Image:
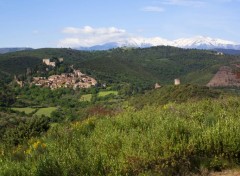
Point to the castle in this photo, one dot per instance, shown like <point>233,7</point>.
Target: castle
<point>49,63</point>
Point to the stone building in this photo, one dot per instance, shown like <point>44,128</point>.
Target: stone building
<point>157,86</point>
<point>48,62</point>
<point>176,82</point>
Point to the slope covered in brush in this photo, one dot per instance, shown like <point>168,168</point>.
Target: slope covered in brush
<point>136,66</point>
<point>175,94</point>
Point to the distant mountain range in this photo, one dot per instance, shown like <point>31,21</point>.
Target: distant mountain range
<point>8,50</point>
<point>198,42</point>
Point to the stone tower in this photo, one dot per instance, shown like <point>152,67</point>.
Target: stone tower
<point>176,82</point>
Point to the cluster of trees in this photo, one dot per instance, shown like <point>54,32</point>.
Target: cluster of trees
<point>17,127</point>
<point>7,95</point>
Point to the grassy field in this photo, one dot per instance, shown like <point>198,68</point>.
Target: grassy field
<point>26,110</point>
<point>105,93</point>
<point>45,111</point>
<point>86,97</point>
<point>41,111</point>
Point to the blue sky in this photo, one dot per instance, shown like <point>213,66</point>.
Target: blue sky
<point>63,23</point>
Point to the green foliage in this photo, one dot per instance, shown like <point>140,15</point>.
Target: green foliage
<point>37,96</point>
<point>174,130</point>
<point>49,167</point>
<point>26,110</point>
<point>10,120</point>
<point>140,67</point>
<point>173,139</point>
<point>146,66</point>
<point>45,111</point>
<point>105,93</point>
<point>180,93</point>
<point>86,97</point>
<point>15,64</point>
<point>25,130</point>
<point>7,96</point>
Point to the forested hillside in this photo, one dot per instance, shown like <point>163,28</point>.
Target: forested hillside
<point>137,66</point>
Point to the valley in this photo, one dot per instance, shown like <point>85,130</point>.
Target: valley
<point>100,112</point>
<point>120,88</point>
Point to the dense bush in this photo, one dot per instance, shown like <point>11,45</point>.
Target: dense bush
<point>173,139</point>
<point>179,94</point>
<point>8,119</point>
<point>25,130</point>
<point>7,96</point>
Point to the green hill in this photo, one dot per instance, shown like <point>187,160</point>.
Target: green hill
<point>137,66</point>
<point>174,94</point>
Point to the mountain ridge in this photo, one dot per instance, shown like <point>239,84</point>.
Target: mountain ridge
<point>13,49</point>
<point>198,42</point>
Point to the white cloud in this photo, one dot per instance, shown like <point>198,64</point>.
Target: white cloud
<point>91,30</point>
<point>153,9</point>
<point>88,36</point>
<point>194,3</point>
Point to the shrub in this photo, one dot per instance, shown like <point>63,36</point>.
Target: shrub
<point>47,167</point>
<point>25,130</point>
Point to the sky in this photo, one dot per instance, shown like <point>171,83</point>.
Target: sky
<point>72,23</point>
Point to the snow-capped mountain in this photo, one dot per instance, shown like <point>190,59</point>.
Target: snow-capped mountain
<point>201,42</point>
<point>198,42</point>
<point>131,42</point>
<point>144,42</point>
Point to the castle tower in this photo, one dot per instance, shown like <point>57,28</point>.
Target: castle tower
<point>176,82</point>
<point>46,61</point>
<point>157,86</point>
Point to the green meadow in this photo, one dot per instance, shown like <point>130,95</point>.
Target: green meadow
<point>26,110</point>
<point>105,93</point>
<point>45,111</point>
<point>86,97</point>
<point>41,111</point>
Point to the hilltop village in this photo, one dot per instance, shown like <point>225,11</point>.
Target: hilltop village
<point>68,80</point>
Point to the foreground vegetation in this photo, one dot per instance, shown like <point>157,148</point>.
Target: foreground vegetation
<point>191,136</point>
